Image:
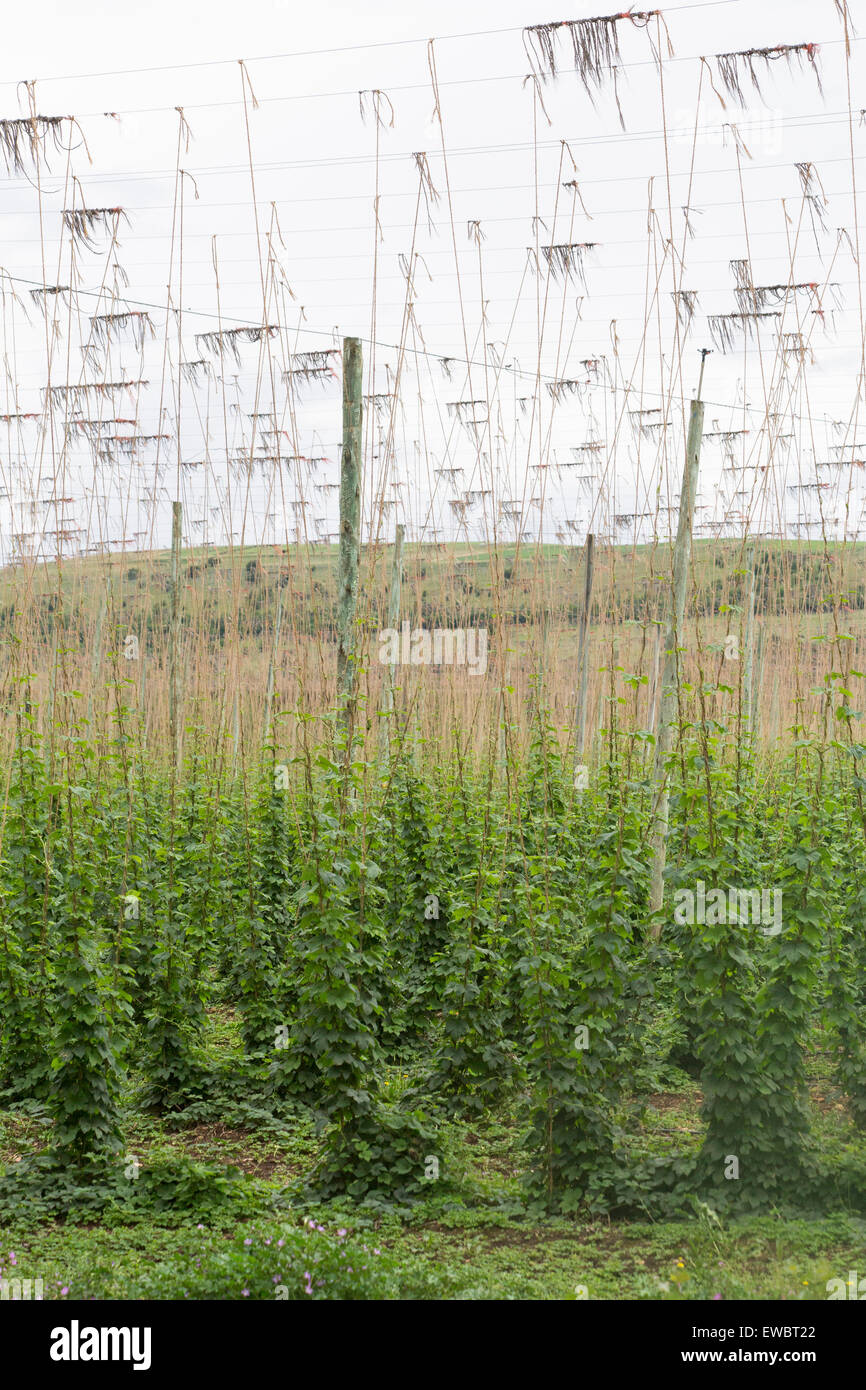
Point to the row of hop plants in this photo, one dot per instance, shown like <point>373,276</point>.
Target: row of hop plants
<point>485,927</point>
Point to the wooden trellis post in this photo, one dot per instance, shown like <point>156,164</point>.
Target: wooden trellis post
<point>350,527</point>
<point>669,696</point>
<point>654,683</point>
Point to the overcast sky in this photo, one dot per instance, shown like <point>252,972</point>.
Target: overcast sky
<point>532,164</point>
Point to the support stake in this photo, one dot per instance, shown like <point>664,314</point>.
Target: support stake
<point>669,692</point>
<point>350,530</point>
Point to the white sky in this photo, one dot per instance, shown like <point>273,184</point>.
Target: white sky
<point>314,162</point>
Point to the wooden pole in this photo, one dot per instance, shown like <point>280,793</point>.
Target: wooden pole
<point>350,528</point>
<point>654,686</point>
<point>174,632</point>
<point>387,704</point>
<point>669,693</point>
<point>583,654</point>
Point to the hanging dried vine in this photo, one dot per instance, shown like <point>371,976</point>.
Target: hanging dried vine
<point>761,297</point>
<point>688,214</point>
<point>429,192</point>
<point>751,64</point>
<point>466,411</point>
<point>83,223</point>
<point>317,365</point>
<point>216,341</point>
<point>685,303</point>
<point>382,404</point>
<point>26,136</point>
<point>195,373</point>
<point>813,195</point>
<point>137,321</point>
<point>75,395</point>
<point>558,390</point>
<point>567,261</point>
<point>725,327</point>
<point>43,292</point>
<point>594,45</point>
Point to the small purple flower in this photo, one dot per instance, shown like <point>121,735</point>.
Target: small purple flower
<point>247,1241</point>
